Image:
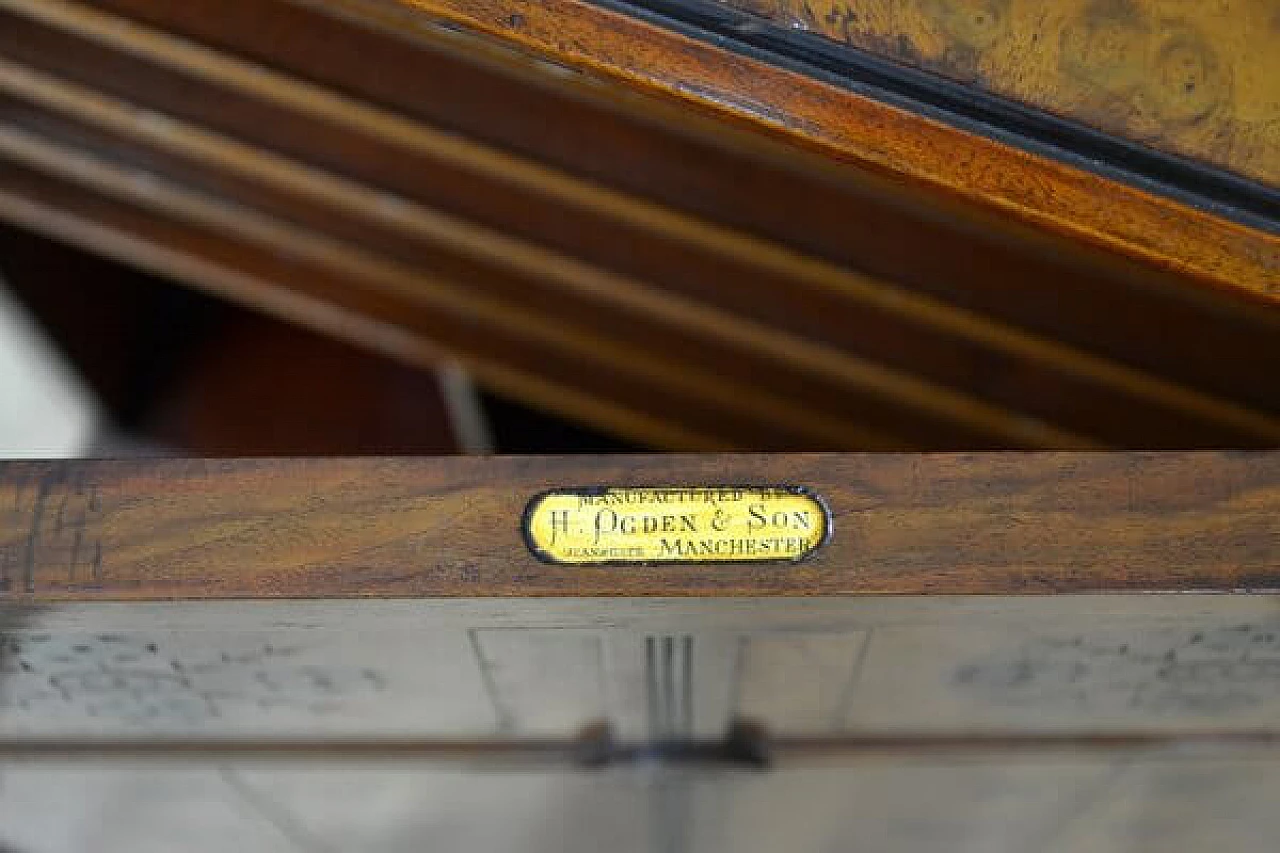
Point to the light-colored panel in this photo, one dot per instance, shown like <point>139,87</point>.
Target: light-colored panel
<point>914,806</point>
<point>436,668</point>
<point>411,809</point>
<point>121,809</point>
<point>1164,803</point>
<point>314,808</point>
<point>1088,674</point>
<point>270,681</point>
<point>798,683</point>
<point>543,682</point>
<point>627,685</point>
<point>1225,806</point>
<point>714,674</point>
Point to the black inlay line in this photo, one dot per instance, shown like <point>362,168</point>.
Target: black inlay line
<point>839,719</point>
<point>506,722</point>
<point>651,683</point>
<point>686,685</point>
<point>669,678</point>
<point>1188,181</point>
<point>668,686</point>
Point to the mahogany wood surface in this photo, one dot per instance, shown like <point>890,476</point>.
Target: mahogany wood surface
<point>603,217</point>
<point>903,524</point>
<point>1197,79</point>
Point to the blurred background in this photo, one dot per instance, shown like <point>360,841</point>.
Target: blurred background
<point>102,359</point>
<point>99,359</point>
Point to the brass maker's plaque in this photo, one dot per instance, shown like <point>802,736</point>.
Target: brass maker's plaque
<point>679,524</point>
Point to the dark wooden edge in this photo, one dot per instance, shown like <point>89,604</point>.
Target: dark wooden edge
<point>926,524</point>
<point>569,754</point>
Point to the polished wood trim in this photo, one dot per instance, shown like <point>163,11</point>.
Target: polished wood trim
<point>354,161</point>
<point>1056,196</point>
<point>599,201</point>
<point>903,524</point>
<point>1196,79</point>
<point>258,168</point>
<point>233,26</point>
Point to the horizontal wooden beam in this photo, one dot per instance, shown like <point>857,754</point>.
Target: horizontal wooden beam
<point>902,524</point>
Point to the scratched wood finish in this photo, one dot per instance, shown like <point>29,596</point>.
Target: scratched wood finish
<point>702,272</point>
<point>1192,78</point>
<point>931,524</point>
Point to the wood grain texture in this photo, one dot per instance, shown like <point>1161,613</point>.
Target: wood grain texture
<point>1197,79</point>
<point>665,264</point>
<point>1053,196</point>
<point>450,527</point>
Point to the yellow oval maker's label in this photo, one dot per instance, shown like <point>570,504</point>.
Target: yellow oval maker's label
<point>702,524</point>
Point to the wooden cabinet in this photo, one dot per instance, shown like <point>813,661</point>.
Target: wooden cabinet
<point>1060,652</point>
